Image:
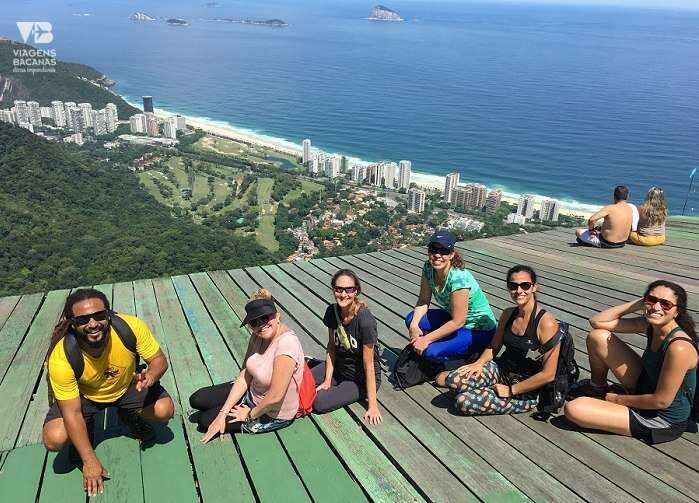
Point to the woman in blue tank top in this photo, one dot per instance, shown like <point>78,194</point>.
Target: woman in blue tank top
<point>661,384</point>
<point>510,382</point>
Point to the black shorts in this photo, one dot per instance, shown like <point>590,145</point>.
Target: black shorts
<point>654,429</point>
<point>130,400</point>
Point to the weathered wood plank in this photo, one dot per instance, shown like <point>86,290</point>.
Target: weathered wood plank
<point>21,473</point>
<point>7,305</point>
<point>15,328</point>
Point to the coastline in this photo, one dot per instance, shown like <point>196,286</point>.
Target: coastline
<point>426,180</point>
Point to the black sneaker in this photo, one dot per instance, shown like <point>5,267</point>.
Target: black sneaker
<point>140,429</point>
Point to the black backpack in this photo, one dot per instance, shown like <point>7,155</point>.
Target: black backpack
<point>412,369</point>
<point>553,395</point>
<point>74,354</point>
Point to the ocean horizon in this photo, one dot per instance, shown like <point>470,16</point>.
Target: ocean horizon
<point>561,102</point>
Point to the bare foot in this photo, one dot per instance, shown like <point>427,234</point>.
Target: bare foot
<point>441,379</point>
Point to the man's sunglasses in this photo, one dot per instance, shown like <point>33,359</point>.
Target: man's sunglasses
<point>345,289</point>
<point>85,318</point>
<point>652,300</point>
<point>524,285</point>
<point>261,321</point>
<point>438,250</point>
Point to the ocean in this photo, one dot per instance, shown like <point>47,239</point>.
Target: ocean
<point>560,101</point>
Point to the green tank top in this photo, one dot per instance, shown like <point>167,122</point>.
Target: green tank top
<point>678,411</point>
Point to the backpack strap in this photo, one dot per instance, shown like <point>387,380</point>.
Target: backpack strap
<point>123,330</point>
<point>533,326</point>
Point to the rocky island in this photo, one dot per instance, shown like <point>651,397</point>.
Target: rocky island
<point>383,13</point>
<point>275,23</point>
<point>141,16</point>
<point>173,21</point>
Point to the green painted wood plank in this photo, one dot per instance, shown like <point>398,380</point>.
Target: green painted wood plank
<point>271,471</point>
<point>15,328</point>
<point>319,469</point>
<point>36,412</point>
<point>218,466</point>
<point>124,298</point>
<point>108,290</point>
<point>7,305</point>
<point>63,481</point>
<point>26,367</point>
<point>21,472</point>
<point>371,468</point>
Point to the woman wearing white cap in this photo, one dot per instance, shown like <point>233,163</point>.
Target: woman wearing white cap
<point>465,324</point>
<point>263,397</point>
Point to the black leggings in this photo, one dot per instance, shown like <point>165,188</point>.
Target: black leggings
<point>338,395</point>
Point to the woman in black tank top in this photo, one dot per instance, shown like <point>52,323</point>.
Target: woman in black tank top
<point>510,382</point>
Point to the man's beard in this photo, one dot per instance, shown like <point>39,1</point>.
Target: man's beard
<point>96,344</point>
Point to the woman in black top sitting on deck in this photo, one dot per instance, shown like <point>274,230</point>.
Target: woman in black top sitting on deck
<point>510,383</point>
<point>661,382</point>
<point>351,370</point>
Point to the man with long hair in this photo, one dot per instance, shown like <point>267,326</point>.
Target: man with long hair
<point>92,365</point>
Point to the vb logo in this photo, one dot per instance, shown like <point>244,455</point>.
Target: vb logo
<point>40,32</point>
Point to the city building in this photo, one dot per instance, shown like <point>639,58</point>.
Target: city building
<point>471,196</point>
<point>86,110</point>
<point>137,122</point>
<point>525,205</point>
<point>46,113</point>
<point>492,202</point>
<point>21,111</point>
<point>332,166</point>
<point>34,113</point>
<point>181,122</point>
<point>316,164</point>
<point>357,173</point>
<point>152,126</point>
<point>27,125</point>
<point>76,138</point>
<point>99,122</point>
<point>451,182</point>
<point>404,168</point>
<point>389,174</point>
<point>306,151</point>
<point>112,117</point>
<point>66,108</point>
<point>7,116</point>
<point>549,210</point>
<point>416,200</point>
<point>170,127</point>
<point>77,122</point>
<point>148,104</point>
<point>59,113</point>
<point>515,218</point>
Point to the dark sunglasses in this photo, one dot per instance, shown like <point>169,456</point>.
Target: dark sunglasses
<point>665,304</point>
<point>524,285</point>
<point>345,289</point>
<point>438,250</point>
<point>85,318</point>
<point>261,321</point>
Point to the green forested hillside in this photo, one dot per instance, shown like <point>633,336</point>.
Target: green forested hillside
<point>65,84</point>
<point>66,220</point>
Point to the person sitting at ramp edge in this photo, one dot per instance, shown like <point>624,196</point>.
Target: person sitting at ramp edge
<point>91,366</point>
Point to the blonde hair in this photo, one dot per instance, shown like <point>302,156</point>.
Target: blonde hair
<point>654,207</point>
<point>262,293</point>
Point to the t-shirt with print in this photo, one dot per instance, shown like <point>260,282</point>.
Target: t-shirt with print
<point>480,315</point>
<point>260,364</point>
<point>361,330</point>
<point>105,378</point>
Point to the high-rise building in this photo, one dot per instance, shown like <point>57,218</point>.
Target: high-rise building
<point>137,122</point>
<point>34,113</point>
<point>66,107</point>
<point>549,210</point>
<point>86,109</point>
<point>471,196</point>
<point>416,200</point>
<point>152,126</point>
<point>492,202</point>
<point>59,113</point>
<point>21,111</point>
<point>76,119</point>
<point>389,174</point>
<point>181,122</point>
<point>316,164</point>
<point>170,127</point>
<point>357,173</point>
<point>525,205</point>
<point>515,218</point>
<point>332,167</point>
<point>27,125</point>
<point>7,116</point>
<point>46,113</point>
<point>404,168</point>
<point>99,122</point>
<point>112,117</point>
<point>306,151</point>
<point>344,164</point>
<point>451,182</point>
<point>148,104</point>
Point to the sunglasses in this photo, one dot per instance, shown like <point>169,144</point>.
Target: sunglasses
<point>524,285</point>
<point>262,321</point>
<point>85,318</point>
<point>438,250</point>
<point>652,300</point>
<point>345,289</point>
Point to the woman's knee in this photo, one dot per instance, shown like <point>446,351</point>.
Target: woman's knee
<point>574,410</point>
<point>54,436</point>
<point>326,402</point>
<point>598,338</point>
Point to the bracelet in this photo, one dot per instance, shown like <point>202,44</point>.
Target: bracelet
<point>224,411</point>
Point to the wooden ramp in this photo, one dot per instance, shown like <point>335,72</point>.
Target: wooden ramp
<point>422,452</point>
